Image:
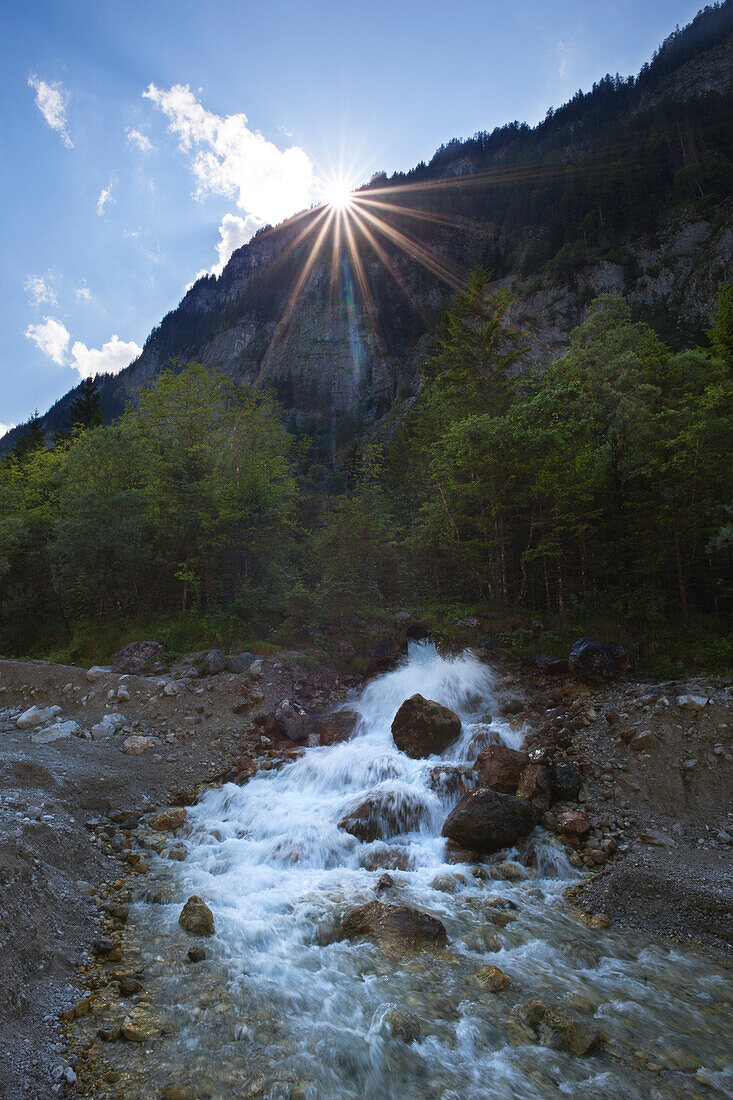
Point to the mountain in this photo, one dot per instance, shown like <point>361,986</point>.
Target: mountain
<point>625,189</point>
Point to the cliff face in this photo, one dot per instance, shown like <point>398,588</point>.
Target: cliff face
<point>625,190</point>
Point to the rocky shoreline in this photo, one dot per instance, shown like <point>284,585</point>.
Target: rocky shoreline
<point>79,807</point>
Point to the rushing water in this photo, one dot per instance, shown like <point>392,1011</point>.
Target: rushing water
<point>286,1009</point>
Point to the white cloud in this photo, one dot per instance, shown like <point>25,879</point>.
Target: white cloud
<point>83,292</point>
<point>234,232</point>
<point>142,141</point>
<point>111,358</point>
<point>5,428</point>
<point>51,100</point>
<point>106,197</point>
<point>39,290</point>
<point>51,337</point>
<point>230,159</point>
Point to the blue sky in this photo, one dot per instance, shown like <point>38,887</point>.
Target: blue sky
<point>141,141</point>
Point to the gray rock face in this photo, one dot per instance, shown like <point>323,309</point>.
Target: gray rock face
<point>486,821</point>
<point>422,727</point>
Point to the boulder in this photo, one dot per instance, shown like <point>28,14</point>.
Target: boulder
<point>535,784</point>
<point>97,672</point>
<point>499,768</point>
<point>643,741</point>
<point>399,1024</point>
<point>36,716</point>
<point>423,728</point>
<point>137,745</point>
<point>556,1029</point>
<point>214,662</point>
<point>598,661</point>
<point>552,665</point>
<point>417,632</point>
<point>56,732</point>
<point>566,782</point>
<point>336,727</point>
<point>491,979</point>
<point>240,662</point>
<point>196,917</point>
<point>451,780</point>
<point>395,926</point>
<point>573,823</point>
<point>384,814</point>
<point>289,720</point>
<point>108,726</point>
<point>692,703</point>
<point>169,819</point>
<point>486,821</point>
<point>137,658</point>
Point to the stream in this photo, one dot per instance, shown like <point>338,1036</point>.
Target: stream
<point>285,1009</point>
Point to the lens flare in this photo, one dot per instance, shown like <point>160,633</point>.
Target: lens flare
<point>338,193</point>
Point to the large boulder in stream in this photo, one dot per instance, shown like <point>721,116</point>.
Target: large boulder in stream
<point>336,727</point>
<point>395,926</point>
<point>486,821</point>
<point>598,661</point>
<point>499,768</point>
<point>384,814</point>
<point>196,917</point>
<point>290,720</point>
<point>423,728</point>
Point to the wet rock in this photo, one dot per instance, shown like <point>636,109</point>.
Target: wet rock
<point>136,745</point>
<point>395,926</point>
<point>485,821</point>
<point>240,662</point>
<point>402,1025</point>
<point>392,859</point>
<point>384,814</point>
<point>490,979</point>
<point>130,986</point>
<point>508,871</point>
<point>103,947</point>
<point>417,632</point>
<point>499,768</point>
<point>177,852</point>
<point>196,954</point>
<point>136,658</point>
<point>290,720</point>
<point>535,784</point>
<point>556,1029</point>
<point>336,727</point>
<point>168,820</point>
<point>423,728</point>
<point>214,662</point>
<point>598,661</point>
<point>196,917</point>
<point>446,884</point>
<point>451,780</point>
<point>566,782</point>
<point>137,1030</point>
<point>385,882</point>
<point>573,823</point>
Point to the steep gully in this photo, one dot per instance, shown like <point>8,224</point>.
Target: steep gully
<point>284,1006</point>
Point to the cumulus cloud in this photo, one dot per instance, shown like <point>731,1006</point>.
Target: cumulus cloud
<point>227,158</point>
<point>111,358</point>
<point>141,141</point>
<point>83,292</point>
<point>106,197</point>
<point>52,337</point>
<point>234,232</point>
<point>40,291</point>
<point>51,101</point>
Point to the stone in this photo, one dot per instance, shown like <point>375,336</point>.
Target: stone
<point>214,662</point>
<point>56,732</point>
<point>402,1025</point>
<point>451,780</point>
<point>598,661</point>
<point>508,871</point>
<point>107,727</point>
<point>169,819</point>
<point>130,986</point>
<point>423,727</point>
<point>418,632</point>
<point>499,768</point>
<point>336,727</point>
<point>36,716</point>
<point>290,720</point>
<point>485,821</point>
<point>556,1029</point>
<point>446,884</point>
<point>395,926</point>
<point>97,672</point>
<point>566,782</point>
<point>196,954</point>
<point>137,1030</point>
<point>643,742</point>
<point>136,658</point>
<point>552,665</point>
<point>573,823</point>
<point>535,785</point>
<point>692,703</point>
<point>491,979</point>
<point>385,882</point>
<point>196,917</point>
<point>137,745</point>
<point>384,814</point>
<point>240,662</point>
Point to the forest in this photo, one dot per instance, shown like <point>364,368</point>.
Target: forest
<point>597,487</point>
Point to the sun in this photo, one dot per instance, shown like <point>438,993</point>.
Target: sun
<point>338,193</point>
